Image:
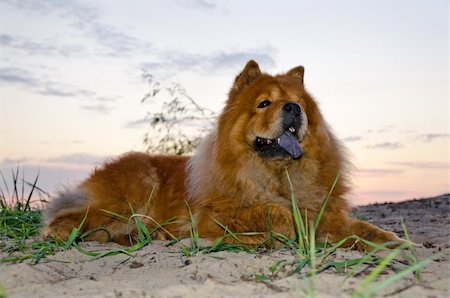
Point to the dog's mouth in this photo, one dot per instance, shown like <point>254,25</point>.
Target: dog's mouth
<point>286,144</point>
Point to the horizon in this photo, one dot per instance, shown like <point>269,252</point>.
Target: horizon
<point>71,80</point>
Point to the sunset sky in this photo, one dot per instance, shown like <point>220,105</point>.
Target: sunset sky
<point>71,79</point>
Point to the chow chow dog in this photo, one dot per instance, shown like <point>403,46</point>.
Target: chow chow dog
<point>270,130</point>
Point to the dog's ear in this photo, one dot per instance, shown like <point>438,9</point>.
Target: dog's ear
<point>297,72</point>
<point>250,72</point>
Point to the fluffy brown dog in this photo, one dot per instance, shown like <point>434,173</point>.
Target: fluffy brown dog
<point>236,178</point>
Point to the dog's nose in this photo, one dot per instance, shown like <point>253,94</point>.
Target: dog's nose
<point>292,108</point>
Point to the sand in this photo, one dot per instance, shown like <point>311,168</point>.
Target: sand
<point>161,271</point>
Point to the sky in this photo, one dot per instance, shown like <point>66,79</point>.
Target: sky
<point>71,79</point>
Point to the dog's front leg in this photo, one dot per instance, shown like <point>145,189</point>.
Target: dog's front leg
<point>262,224</point>
<point>337,226</point>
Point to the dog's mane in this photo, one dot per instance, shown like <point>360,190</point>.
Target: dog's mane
<point>200,167</point>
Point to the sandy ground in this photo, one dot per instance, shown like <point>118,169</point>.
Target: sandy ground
<point>161,271</point>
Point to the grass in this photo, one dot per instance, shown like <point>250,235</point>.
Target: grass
<point>19,218</point>
<point>312,260</point>
<point>2,291</point>
<point>20,222</point>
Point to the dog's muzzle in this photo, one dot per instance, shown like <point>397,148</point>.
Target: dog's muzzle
<point>287,142</point>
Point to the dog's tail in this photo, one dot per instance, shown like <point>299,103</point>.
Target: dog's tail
<point>68,204</point>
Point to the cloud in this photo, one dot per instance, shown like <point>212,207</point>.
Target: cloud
<point>105,99</point>
<point>53,89</point>
<point>422,164</point>
<point>78,159</point>
<point>215,62</point>
<point>386,145</point>
<point>100,108</point>
<point>383,195</point>
<point>8,162</point>
<point>12,75</point>
<point>48,48</point>
<point>238,59</point>
<point>84,18</point>
<point>24,78</point>
<point>5,39</point>
<point>119,43</point>
<point>385,129</point>
<point>352,139</point>
<point>138,123</point>
<point>380,172</point>
<point>202,4</point>
<point>429,137</point>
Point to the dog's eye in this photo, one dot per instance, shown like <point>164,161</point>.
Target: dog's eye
<point>264,104</point>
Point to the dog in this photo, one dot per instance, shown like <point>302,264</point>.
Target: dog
<point>270,144</point>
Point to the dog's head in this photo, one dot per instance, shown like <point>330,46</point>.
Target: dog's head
<point>268,114</point>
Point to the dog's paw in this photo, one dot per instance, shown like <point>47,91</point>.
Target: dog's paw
<point>379,238</point>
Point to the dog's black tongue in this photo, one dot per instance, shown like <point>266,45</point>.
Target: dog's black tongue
<point>288,142</point>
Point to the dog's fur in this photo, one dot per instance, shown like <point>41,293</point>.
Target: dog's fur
<point>227,180</point>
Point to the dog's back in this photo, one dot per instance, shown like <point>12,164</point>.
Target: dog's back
<point>136,183</point>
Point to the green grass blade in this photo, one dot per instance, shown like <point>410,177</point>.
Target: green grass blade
<point>6,185</point>
<point>324,205</point>
<point>413,253</point>
<point>71,240</point>
<point>149,200</point>
<point>378,269</point>
<point>332,248</point>
<point>300,265</point>
<point>195,238</point>
<point>2,291</point>
<point>37,188</point>
<point>33,187</point>
<point>142,230</point>
<point>15,191</point>
<point>228,231</point>
<point>22,194</point>
<point>269,225</point>
<point>276,266</point>
<point>123,218</point>
<point>312,255</point>
<point>371,291</point>
<point>352,262</point>
<point>87,233</point>
<point>75,232</point>
<point>299,224</point>
<point>369,257</point>
<point>260,277</point>
<point>97,255</point>
<point>143,233</point>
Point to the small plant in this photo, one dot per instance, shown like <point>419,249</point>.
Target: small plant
<point>20,215</point>
<point>180,122</point>
<point>22,196</point>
